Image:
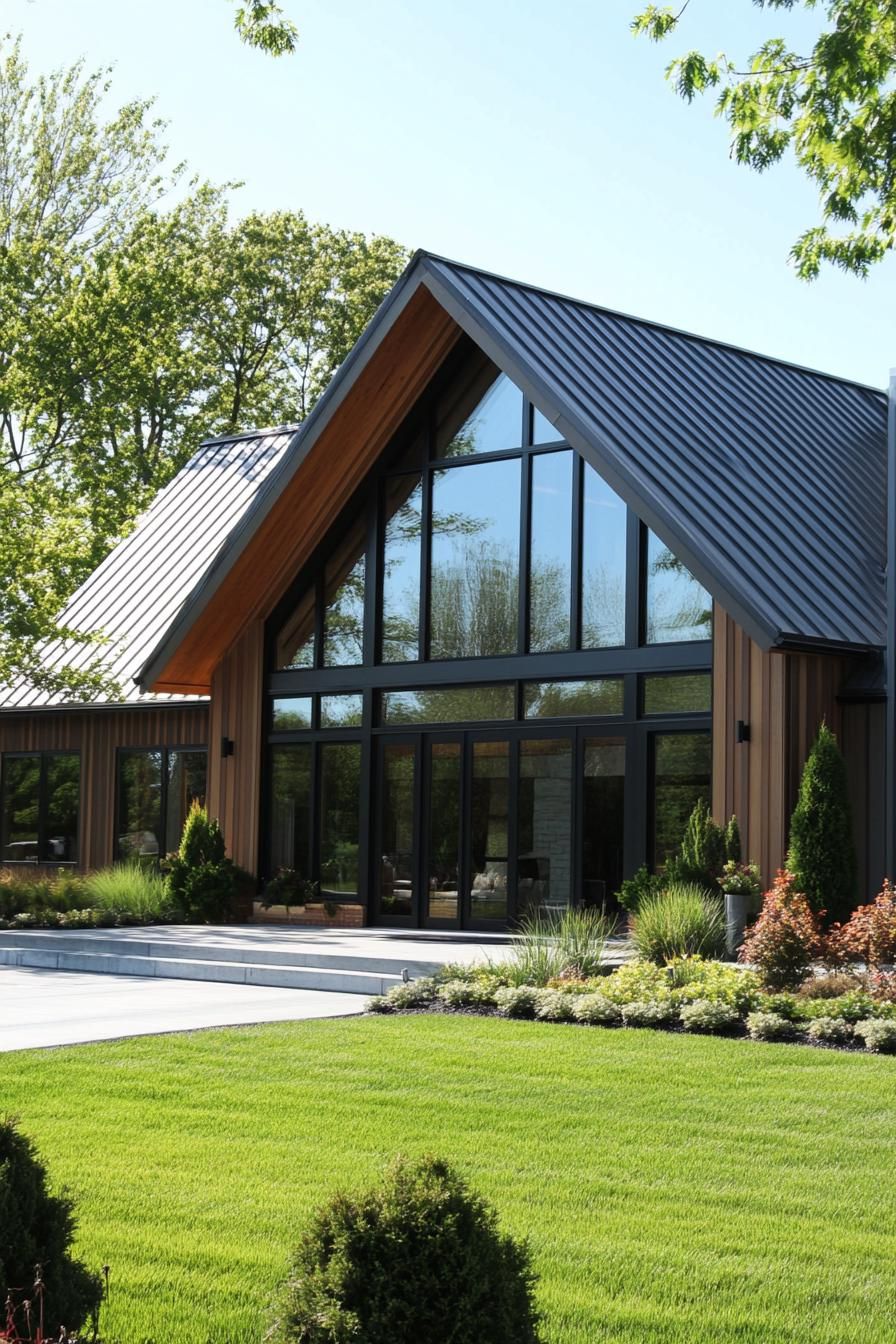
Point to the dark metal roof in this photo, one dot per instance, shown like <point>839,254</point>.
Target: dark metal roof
<point>136,593</point>
<point>765,478</point>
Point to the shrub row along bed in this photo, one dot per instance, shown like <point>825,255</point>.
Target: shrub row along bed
<point>688,994</point>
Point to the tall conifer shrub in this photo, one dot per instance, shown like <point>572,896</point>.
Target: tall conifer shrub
<point>822,856</point>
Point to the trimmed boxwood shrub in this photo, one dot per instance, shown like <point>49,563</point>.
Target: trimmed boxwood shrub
<point>646,1014</point>
<point>516,1000</point>
<point>703,1015</point>
<point>770,1027</point>
<point>830,1030</point>
<point>555,1005</point>
<point>37,1228</point>
<point>466,994</point>
<point>413,994</point>
<point>417,1258</point>
<point>879,1035</point>
<point>596,1009</point>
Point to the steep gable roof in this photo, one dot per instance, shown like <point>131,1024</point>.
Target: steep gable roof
<point>135,594</point>
<point>767,479</point>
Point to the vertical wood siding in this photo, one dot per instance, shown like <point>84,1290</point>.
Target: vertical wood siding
<point>97,734</point>
<point>234,782</point>
<point>783,697</point>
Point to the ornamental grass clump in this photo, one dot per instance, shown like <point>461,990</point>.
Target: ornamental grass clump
<point>682,921</point>
<point>549,947</point>
<point>786,938</point>
<point>419,1257</point>
<point>705,1016</point>
<point>127,888</point>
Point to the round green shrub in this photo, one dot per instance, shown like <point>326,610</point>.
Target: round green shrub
<point>412,994</point>
<point>466,994</point>
<point>879,1035</point>
<point>770,1027</point>
<point>648,1014</point>
<point>830,1030</point>
<point>555,1005</point>
<point>704,1015</point>
<point>380,1003</point>
<point>418,1259</point>
<point>37,1228</point>
<point>596,1008</point>
<point>516,1000</point>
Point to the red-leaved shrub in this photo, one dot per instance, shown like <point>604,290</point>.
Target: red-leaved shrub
<point>786,938</point>
<point>870,933</point>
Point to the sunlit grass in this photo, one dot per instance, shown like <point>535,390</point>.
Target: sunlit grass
<point>679,1190</point>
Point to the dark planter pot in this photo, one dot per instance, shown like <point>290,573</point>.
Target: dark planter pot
<point>737,909</point>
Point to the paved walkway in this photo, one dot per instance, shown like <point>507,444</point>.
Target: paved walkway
<point>44,1008</point>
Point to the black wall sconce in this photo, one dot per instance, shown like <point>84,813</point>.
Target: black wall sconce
<point>226,746</point>
<point>743,731</point>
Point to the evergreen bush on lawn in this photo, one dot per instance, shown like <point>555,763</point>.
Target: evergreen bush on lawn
<point>821,854</point>
<point>770,1027</point>
<point>704,1015</point>
<point>516,1000</point>
<point>37,1228</point>
<point>682,921</point>
<point>417,1258</point>
<point>596,1009</point>
<point>202,882</point>
<point>830,1031</point>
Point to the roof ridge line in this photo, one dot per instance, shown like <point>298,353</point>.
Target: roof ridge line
<point>650,322</point>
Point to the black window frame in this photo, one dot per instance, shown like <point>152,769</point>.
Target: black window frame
<point>42,807</point>
<point>165,751</point>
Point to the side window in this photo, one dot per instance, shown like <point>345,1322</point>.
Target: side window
<point>155,787</point>
<point>40,801</point>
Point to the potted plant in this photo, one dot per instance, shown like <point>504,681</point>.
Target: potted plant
<point>741,886</point>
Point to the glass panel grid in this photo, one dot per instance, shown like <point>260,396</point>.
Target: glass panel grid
<point>556,699</point>
<point>448,704</point>
<point>678,609</point>
<point>677,693</point>
<point>291,713</point>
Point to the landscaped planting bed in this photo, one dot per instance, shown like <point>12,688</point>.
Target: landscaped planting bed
<point>689,994</point>
<point>674,1187</point>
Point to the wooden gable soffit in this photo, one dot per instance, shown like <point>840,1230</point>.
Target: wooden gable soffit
<point>338,460</point>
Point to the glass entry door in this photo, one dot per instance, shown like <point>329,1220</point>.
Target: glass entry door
<point>478,828</point>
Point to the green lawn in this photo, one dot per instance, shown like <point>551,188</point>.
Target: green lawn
<point>674,1189</point>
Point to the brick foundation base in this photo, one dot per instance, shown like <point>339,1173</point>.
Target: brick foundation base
<point>312,916</point>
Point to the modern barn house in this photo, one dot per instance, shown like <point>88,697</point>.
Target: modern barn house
<point>531,579</point>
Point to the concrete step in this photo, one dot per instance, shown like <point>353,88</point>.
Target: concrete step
<point>205,949</point>
<point>237,972</point>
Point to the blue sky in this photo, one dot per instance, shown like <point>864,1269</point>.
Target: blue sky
<point>540,141</point>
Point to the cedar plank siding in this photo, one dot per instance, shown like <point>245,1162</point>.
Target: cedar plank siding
<point>234,782</point>
<point>97,734</point>
<point>783,697</point>
<point>312,500</point>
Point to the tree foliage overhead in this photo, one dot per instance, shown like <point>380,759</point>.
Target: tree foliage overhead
<point>833,106</point>
<point>136,320</point>
<point>263,24</point>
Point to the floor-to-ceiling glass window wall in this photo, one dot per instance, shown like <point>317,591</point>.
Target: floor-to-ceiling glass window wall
<point>489,690</point>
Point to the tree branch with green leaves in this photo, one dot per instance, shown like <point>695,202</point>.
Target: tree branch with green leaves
<point>833,107</point>
<point>263,25</point>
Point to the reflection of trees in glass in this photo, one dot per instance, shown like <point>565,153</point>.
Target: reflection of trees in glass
<point>139,803</point>
<point>186,783</point>
<point>344,599</point>
<point>551,699</point>
<point>469,422</point>
<point>63,803</point>
<point>21,805</point>
<point>340,775</point>
<point>678,607</point>
<point>679,693</point>
<point>401,569</point>
<point>291,808</point>
<point>474,606</point>
<point>604,525</point>
<point>550,551</point>
<point>682,776</point>
<point>341,711</point>
<point>448,704</point>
